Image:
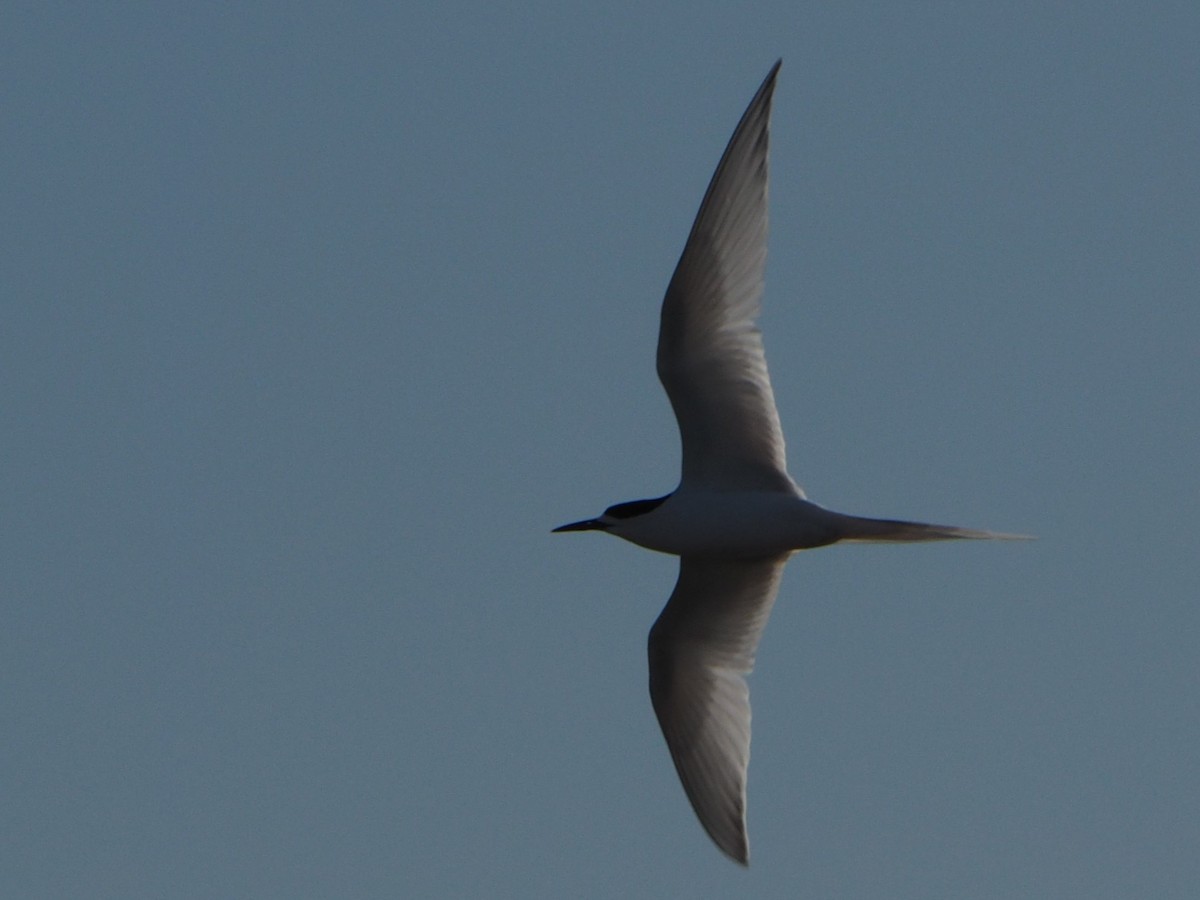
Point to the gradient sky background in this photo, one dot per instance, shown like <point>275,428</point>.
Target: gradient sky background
<point>316,320</point>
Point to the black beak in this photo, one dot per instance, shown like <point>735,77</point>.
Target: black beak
<point>585,525</point>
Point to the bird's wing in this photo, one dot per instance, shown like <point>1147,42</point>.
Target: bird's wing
<point>710,353</point>
<point>701,649</point>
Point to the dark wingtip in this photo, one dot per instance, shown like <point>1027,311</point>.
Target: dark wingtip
<point>774,72</point>
<point>740,855</point>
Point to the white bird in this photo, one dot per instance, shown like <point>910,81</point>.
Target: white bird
<point>736,515</point>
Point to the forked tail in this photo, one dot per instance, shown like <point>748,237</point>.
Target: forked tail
<point>855,529</point>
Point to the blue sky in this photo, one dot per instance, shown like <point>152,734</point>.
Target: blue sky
<point>315,321</point>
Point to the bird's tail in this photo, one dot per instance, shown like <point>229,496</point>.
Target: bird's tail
<point>855,529</point>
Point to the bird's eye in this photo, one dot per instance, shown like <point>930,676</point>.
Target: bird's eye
<point>634,508</point>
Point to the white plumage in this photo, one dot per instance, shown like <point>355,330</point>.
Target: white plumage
<point>737,514</point>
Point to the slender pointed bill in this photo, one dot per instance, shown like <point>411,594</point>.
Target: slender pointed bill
<point>585,525</point>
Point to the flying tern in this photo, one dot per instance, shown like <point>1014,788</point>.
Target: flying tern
<point>736,515</point>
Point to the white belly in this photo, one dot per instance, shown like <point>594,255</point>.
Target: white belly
<point>731,524</point>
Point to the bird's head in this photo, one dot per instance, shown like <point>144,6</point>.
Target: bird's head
<point>614,516</point>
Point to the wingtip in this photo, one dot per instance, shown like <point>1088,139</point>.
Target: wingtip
<point>739,853</point>
<point>772,74</point>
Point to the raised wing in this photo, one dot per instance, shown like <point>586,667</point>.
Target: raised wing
<point>710,353</point>
<point>701,648</point>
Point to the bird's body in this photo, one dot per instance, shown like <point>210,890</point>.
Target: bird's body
<point>730,524</point>
<point>737,515</point>
<point>754,524</point>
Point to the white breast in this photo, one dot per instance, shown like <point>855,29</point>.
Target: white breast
<point>745,524</point>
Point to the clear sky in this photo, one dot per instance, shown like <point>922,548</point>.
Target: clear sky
<point>315,319</point>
